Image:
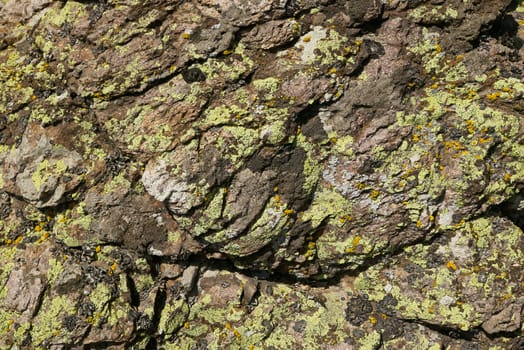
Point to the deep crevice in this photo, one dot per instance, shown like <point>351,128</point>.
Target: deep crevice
<point>102,345</point>
<point>448,331</point>
<point>512,209</point>
<point>160,303</point>
<point>133,292</point>
<point>504,28</point>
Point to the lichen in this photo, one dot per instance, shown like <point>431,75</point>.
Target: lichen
<point>232,68</point>
<point>48,323</point>
<point>173,317</point>
<point>70,12</point>
<point>56,267</point>
<point>370,341</point>
<point>327,204</point>
<point>118,183</point>
<point>45,170</point>
<point>267,87</point>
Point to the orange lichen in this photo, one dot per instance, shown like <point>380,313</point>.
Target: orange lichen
<point>493,96</point>
<point>343,219</point>
<point>374,194</point>
<point>113,268</point>
<point>485,140</point>
<point>453,146</point>
<point>471,94</point>
<point>451,265</point>
<point>44,236</point>
<point>470,125</point>
<point>354,244</point>
<point>506,296</point>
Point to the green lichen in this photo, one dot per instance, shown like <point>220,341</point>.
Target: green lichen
<point>48,323</point>
<point>225,115</point>
<point>325,325</point>
<point>68,13</point>
<point>280,339</point>
<point>370,341</point>
<point>118,183</point>
<point>216,315</point>
<point>457,94</point>
<point>137,132</point>
<point>274,133</point>
<point>327,204</point>
<point>267,87</point>
<point>100,297</point>
<point>56,268</point>
<point>312,164</point>
<point>173,237</point>
<point>434,13</point>
<point>71,226</point>
<point>7,254</point>
<point>264,230</point>
<point>244,142</point>
<point>45,170</point>
<point>211,215</point>
<point>173,317</point>
<point>195,330</point>
<point>321,45</point>
<point>13,72</point>
<point>443,294</point>
<point>342,145</point>
<point>232,69</point>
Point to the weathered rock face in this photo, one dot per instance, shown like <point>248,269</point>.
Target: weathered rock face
<point>261,174</point>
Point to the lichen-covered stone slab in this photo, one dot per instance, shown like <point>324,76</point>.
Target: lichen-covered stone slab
<point>261,174</point>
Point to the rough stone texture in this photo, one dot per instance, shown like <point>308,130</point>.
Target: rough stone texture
<point>261,174</point>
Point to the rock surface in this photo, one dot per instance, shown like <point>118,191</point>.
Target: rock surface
<point>261,174</point>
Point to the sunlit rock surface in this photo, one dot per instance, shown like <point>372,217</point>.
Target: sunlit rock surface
<point>261,174</point>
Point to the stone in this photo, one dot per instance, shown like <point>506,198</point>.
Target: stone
<point>309,174</point>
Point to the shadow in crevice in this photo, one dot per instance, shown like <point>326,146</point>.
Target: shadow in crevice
<point>513,209</point>
<point>504,29</point>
